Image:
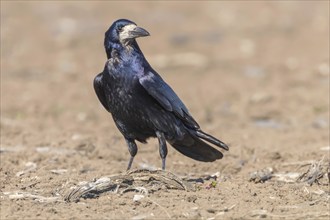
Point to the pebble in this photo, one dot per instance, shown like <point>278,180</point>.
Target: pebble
<point>137,197</point>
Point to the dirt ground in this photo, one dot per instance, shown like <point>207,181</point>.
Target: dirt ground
<point>254,74</point>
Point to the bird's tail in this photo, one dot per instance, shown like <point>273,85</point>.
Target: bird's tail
<point>211,139</point>
<point>192,146</point>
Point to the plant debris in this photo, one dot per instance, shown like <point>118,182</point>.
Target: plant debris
<point>261,176</point>
<point>138,180</point>
<point>316,171</point>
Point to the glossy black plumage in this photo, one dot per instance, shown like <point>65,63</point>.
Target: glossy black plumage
<point>142,104</point>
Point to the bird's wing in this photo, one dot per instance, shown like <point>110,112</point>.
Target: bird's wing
<point>167,98</point>
<point>99,90</point>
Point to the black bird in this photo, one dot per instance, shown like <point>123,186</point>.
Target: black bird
<point>142,104</point>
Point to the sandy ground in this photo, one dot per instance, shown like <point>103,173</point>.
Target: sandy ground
<point>254,74</point>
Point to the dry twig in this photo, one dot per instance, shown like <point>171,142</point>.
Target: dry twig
<point>139,180</point>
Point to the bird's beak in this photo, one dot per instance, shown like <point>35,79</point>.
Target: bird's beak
<point>137,32</point>
<point>131,32</point>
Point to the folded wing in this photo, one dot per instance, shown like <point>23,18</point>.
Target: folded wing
<point>99,90</point>
<point>167,98</point>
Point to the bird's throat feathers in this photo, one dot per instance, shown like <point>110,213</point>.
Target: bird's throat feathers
<point>122,57</point>
<point>130,48</point>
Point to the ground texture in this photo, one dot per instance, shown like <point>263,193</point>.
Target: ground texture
<point>254,74</point>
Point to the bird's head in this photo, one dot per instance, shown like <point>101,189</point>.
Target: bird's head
<point>123,32</point>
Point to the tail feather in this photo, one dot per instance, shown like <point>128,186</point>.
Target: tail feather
<point>211,139</point>
<point>193,147</point>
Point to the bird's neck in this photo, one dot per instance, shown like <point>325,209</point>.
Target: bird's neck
<point>132,48</point>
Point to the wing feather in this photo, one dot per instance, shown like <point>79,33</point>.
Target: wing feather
<point>166,97</point>
<point>99,90</point>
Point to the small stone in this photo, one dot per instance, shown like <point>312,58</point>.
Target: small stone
<point>211,210</point>
<point>137,197</point>
<point>192,198</point>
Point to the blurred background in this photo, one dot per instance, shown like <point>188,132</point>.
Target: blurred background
<point>253,73</point>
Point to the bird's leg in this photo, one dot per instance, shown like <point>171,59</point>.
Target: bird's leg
<point>162,147</point>
<point>132,148</point>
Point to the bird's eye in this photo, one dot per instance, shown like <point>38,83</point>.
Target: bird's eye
<point>120,27</point>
